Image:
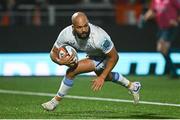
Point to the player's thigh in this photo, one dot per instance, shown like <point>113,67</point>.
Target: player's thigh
<point>84,65</point>
<point>165,36</point>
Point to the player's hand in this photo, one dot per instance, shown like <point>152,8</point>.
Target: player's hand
<point>178,19</point>
<point>141,22</point>
<point>173,23</point>
<point>68,60</point>
<point>97,83</point>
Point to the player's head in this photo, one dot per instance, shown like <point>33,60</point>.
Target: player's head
<point>80,25</point>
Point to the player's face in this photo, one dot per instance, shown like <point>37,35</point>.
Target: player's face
<point>82,30</point>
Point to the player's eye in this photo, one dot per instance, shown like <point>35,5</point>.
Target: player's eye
<point>86,25</point>
<point>78,27</point>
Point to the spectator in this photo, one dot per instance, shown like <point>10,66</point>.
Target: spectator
<point>127,12</point>
<point>9,8</point>
<point>166,14</point>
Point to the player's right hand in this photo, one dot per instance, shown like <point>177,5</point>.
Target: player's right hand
<point>173,23</point>
<point>97,83</point>
<point>68,60</point>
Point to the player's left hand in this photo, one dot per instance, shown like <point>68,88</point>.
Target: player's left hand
<point>173,23</point>
<point>97,83</point>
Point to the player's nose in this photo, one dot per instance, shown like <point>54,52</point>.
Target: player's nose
<point>83,29</point>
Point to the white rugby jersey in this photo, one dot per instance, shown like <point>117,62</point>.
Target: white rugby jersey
<point>96,45</point>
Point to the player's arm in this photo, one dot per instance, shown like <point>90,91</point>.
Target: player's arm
<point>54,55</point>
<point>177,5</point>
<point>149,15</point>
<point>151,12</point>
<point>179,19</point>
<point>112,58</point>
<point>145,17</point>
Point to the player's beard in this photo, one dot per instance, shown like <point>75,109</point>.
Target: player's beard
<point>83,35</point>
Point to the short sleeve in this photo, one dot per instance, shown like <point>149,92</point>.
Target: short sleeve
<point>106,45</point>
<point>60,39</point>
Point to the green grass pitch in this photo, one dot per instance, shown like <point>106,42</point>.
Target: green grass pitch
<point>159,89</point>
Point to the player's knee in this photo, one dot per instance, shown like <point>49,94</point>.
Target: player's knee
<point>163,51</point>
<point>70,73</point>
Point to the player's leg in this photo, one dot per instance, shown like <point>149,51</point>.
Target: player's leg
<point>163,46</point>
<point>118,78</point>
<point>85,65</point>
<point>133,87</point>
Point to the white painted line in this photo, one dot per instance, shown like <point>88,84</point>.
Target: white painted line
<point>85,98</point>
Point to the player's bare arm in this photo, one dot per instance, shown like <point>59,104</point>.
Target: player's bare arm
<point>145,17</point>
<point>149,15</point>
<point>63,61</point>
<point>111,62</point>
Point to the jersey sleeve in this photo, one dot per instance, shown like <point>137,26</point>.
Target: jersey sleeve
<point>105,43</point>
<point>61,39</point>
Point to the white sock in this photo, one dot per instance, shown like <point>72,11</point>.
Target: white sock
<point>124,81</point>
<point>66,84</point>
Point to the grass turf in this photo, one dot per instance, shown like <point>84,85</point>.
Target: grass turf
<point>155,89</point>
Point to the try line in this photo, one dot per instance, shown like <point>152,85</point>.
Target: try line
<point>85,98</point>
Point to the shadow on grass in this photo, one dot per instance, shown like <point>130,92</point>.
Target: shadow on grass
<point>98,114</point>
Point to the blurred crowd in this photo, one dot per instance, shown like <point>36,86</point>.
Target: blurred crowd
<point>11,11</point>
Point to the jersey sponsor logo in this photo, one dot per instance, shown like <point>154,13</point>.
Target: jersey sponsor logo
<point>106,45</point>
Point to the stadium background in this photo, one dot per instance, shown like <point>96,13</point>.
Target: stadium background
<point>33,26</point>
<point>29,28</point>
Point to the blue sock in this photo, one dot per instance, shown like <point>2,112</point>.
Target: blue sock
<point>115,76</point>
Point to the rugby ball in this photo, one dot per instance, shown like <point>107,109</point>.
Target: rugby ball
<point>66,51</point>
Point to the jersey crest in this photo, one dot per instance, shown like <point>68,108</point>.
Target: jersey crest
<point>106,45</point>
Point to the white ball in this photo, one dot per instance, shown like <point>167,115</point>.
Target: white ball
<point>66,51</point>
